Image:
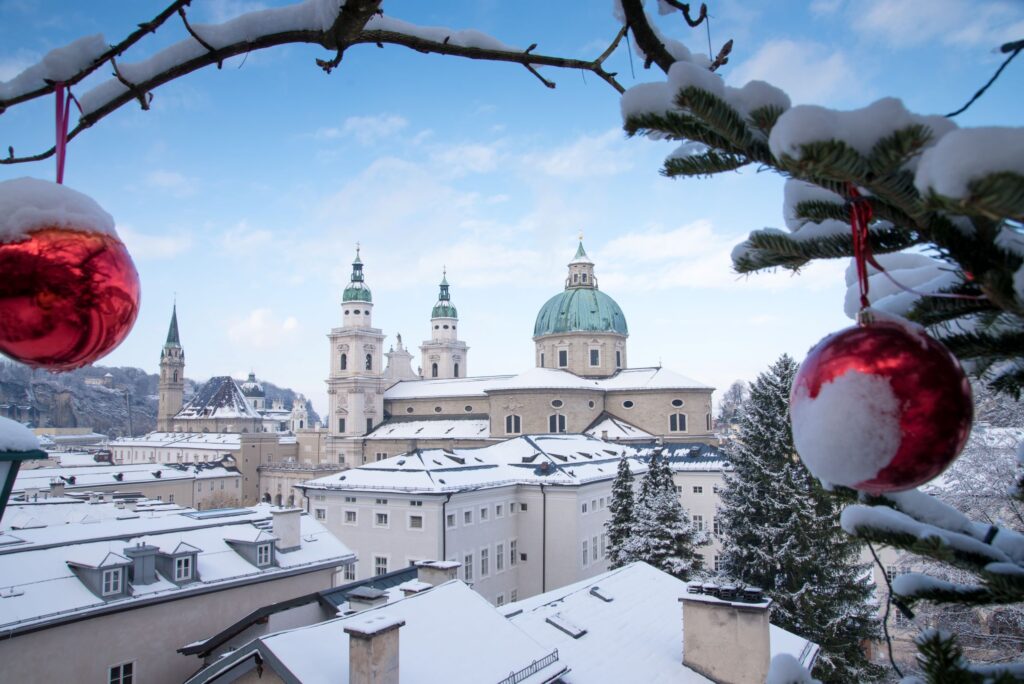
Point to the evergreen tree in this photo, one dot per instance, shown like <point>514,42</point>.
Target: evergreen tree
<point>782,533</point>
<point>662,533</point>
<point>620,521</point>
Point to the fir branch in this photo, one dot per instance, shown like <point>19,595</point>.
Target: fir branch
<point>716,114</point>
<point>707,164</point>
<point>986,345</point>
<point>828,159</point>
<point>817,211</point>
<point>773,248</point>
<point>891,152</point>
<point>764,118</point>
<point>675,126</point>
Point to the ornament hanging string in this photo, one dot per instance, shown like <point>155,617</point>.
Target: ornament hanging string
<point>860,216</point>
<point>64,99</point>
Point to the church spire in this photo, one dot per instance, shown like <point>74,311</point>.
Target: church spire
<point>357,291</point>
<point>444,308</point>
<point>581,269</point>
<point>172,331</point>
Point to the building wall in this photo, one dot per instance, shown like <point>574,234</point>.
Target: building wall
<point>651,410</point>
<point>703,503</point>
<point>148,636</point>
<point>451,407</point>
<point>577,347</point>
<point>580,408</point>
<point>393,447</point>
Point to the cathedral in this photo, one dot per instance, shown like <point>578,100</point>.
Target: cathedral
<point>582,382</point>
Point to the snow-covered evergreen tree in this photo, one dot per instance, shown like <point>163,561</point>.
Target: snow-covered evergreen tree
<point>662,533</point>
<point>782,533</point>
<point>620,522</point>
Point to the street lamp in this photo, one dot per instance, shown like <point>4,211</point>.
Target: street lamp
<point>17,444</point>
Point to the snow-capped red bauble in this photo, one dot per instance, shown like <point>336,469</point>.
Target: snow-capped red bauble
<point>69,292</point>
<point>880,407</point>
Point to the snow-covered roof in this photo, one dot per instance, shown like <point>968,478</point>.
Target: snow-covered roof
<point>541,379</point>
<point>73,459</point>
<point>218,441</point>
<point>636,636</point>
<point>609,427</point>
<point>557,460</point>
<point>471,428</point>
<point>220,397</point>
<point>440,641</point>
<point>108,474</point>
<point>47,591</point>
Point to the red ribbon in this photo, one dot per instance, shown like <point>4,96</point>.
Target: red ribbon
<point>63,112</point>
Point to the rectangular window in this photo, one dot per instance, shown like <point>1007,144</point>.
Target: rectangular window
<point>542,359</point>
<point>595,357</point>
<point>715,489</point>
<point>182,568</point>
<point>513,595</point>
<point>522,507</point>
<point>369,425</point>
<point>122,674</point>
<point>604,545</point>
<point>593,548</point>
<point>381,502</point>
<point>556,423</point>
<point>698,522</point>
<point>499,510</point>
<point>112,581</point>
<point>499,557</point>
<point>584,507</point>
<point>415,522</point>
<point>677,422</point>
<point>618,359</point>
<point>512,508</point>
<point>716,563</point>
<point>586,554</point>
<point>350,517</point>
<point>350,499</point>
<point>449,520</point>
<point>321,514</point>
<point>350,572</point>
<point>416,502</point>
<point>698,489</point>
<point>380,565</point>
<point>467,566</point>
<point>500,600</point>
<point>380,455</point>
<point>467,517</point>
<point>513,425</point>
<point>707,418</point>
<point>563,358</point>
<point>485,562</point>
<point>380,520</point>
<point>263,555</point>
<point>483,514</point>
<point>341,425</point>
<point>513,557</point>
<point>716,526</point>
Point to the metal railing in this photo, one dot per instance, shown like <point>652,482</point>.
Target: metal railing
<point>531,669</point>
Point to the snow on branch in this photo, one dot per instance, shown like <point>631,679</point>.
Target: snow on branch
<point>333,24</point>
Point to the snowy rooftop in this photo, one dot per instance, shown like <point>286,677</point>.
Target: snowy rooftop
<point>543,378</point>
<point>611,428</point>
<point>221,441</point>
<point>440,641</point>
<point>632,634</point>
<point>220,397</point>
<point>84,477</point>
<point>45,590</point>
<point>470,428</point>
<point>565,460</point>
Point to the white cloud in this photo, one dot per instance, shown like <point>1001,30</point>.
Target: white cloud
<point>470,158</point>
<point>606,154</point>
<point>172,182</point>
<point>242,238</point>
<point>366,130</point>
<point>810,72</point>
<point>695,256</point>
<point>12,65</point>
<point>147,246</point>
<point>261,329</point>
<point>822,7</point>
<point>952,22</point>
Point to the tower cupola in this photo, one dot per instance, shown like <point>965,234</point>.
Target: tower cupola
<point>357,301</point>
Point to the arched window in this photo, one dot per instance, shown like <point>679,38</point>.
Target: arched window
<point>677,422</point>
<point>344,362</point>
<point>175,376</point>
<point>433,370</point>
<point>369,362</point>
<point>456,370</point>
<point>556,423</point>
<point>707,419</point>
<point>584,277</point>
<point>513,425</point>
<point>618,359</point>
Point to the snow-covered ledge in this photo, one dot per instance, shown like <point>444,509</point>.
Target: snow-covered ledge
<point>17,444</point>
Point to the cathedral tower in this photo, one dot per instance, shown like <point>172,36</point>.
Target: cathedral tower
<point>172,377</point>
<point>444,356</point>
<point>356,384</point>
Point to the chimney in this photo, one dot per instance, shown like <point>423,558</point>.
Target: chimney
<point>725,632</point>
<point>604,435</point>
<point>287,528</point>
<point>373,649</point>
<point>364,598</point>
<point>143,556</point>
<point>57,487</point>
<point>436,572</point>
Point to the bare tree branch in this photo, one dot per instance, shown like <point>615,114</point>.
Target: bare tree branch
<point>685,9</point>
<point>646,38</point>
<point>349,29</point>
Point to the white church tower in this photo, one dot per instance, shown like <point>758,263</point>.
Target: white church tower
<point>356,384</point>
<point>444,356</point>
<point>171,388</point>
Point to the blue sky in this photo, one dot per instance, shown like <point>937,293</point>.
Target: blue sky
<point>244,190</point>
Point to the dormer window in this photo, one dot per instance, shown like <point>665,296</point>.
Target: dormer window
<point>113,581</point>
<point>183,569</point>
<point>263,555</point>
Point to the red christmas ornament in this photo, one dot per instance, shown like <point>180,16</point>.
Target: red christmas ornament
<point>880,407</point>
<point>69,292</point>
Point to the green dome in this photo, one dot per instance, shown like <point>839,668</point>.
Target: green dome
<point>580,310</point>
<point>444,308</point>
<point>357,291</point>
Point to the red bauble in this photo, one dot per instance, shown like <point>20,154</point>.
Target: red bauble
<point>67,297</point>
<point>880,407</point>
